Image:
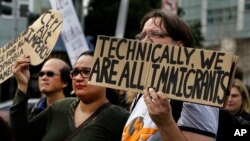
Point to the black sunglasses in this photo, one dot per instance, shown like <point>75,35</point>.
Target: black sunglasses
<point>85,72</point>
<point>48,73</point>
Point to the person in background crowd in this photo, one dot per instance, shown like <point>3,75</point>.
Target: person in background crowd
<point>235,115</point>
<point>151,118</point>
<point>54,84</point>
<point>86,117</point>
<point>238,102</point>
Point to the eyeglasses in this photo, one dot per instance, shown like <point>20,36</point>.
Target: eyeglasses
<point>48,73</point>
<point>152,34</point>
<point>85,72</point>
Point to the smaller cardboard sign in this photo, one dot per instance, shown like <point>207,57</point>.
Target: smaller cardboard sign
<point>186,74</point>
<point>37,41</point>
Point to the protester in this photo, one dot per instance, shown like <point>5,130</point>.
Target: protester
<point>151,118</point>
<point>54,84</point>
<point>88,116</point>
<point>236,113</point>
<point>238,102</point>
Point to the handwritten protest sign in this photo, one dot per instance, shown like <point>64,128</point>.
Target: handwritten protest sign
<point>186,74</point>
<point>37,41</point>
<point>72,34</point>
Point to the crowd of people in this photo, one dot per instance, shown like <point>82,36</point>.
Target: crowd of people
<point>96,113</point>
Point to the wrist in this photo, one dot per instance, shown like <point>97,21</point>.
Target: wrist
<point>23,88</point>
<point>169,122</point>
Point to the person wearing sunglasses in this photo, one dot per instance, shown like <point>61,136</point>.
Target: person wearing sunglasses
<point>87,117</point>
<point>54,84</point>
<point>153,116</point>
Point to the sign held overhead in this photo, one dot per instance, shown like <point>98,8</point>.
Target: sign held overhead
<point>37,41</point>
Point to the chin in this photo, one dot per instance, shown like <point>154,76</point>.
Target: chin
<point>44,91</point>
<point>81,94</point>
<point>87,99</point>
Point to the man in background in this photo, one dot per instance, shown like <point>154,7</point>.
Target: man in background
<point>54,84</point>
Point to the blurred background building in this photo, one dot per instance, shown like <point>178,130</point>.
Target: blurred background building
<point>224,26</point>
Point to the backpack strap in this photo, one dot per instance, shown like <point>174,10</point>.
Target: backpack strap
<point>135,101</point>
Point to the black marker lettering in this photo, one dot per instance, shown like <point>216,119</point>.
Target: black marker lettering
<point>103,39</point>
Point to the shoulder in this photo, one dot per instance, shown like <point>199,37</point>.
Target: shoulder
<point>114,113</point>
<point>64,103</point>
<point>117,110</point>
<point>245,116</point>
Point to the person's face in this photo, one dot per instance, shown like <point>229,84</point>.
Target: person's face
<point>234,101</point>
<point>156,33</point>
<point>50,79</point>
<point>87,93</point>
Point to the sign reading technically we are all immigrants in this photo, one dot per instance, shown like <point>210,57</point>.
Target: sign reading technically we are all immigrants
<point>37,41</point>
<point>186,74</point>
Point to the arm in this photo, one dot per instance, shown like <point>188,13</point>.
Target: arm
<point>21,126</point>
<point>18,111</point>
<point>161,113</point>
<point>21,72</point>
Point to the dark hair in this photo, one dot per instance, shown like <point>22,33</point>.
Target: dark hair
<point>177,28</point>
<point>112,96</point>
<point>88,52</point>
<point>64,71</point>
<point>239,73</point>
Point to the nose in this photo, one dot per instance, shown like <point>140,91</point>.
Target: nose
<point>229,99</point>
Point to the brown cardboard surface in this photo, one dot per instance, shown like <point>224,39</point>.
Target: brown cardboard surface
<point>186,74</point>
<point>37,41</point>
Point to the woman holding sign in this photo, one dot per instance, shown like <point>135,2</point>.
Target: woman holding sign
<point>87,117</point>
<point>151,118</point>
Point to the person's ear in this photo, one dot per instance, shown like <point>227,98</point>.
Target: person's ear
<point>65,84</point>
<point>180,43</point>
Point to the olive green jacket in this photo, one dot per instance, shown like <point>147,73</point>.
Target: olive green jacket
<point>56,122</point>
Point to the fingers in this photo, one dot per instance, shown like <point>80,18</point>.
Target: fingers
<point>149,102</point>
<point>151,99</point>
<point>20,63</point>
<point>158,107</point>
<point>155,100</point>
<point>163,98</point>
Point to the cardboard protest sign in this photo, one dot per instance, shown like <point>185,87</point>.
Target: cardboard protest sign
<point>37,41</point>
<point>72,34</point>
<point>186,74</point>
